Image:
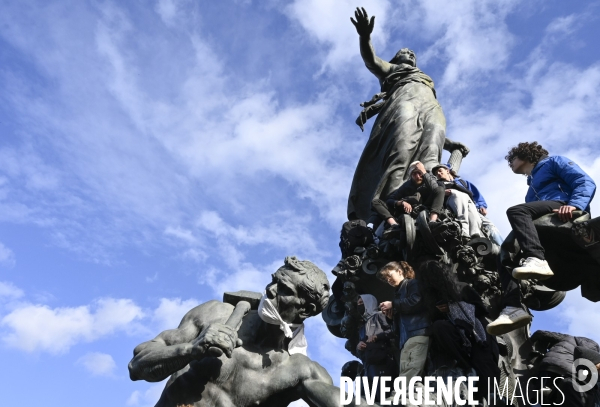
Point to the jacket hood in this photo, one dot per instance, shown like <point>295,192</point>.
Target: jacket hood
<point>370,305</point>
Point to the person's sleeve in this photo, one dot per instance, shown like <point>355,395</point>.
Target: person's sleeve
<point>387,332</point>
<point>587,343</point>
<point>549,339</point>
<point>395,196</point>
<point>582,185</point>
<point>478,199</point>
<point>412,302</point>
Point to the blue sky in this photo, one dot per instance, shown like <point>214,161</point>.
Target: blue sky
<point>156,153</point>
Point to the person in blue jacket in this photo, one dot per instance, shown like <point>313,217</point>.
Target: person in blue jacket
<point>556,184</point>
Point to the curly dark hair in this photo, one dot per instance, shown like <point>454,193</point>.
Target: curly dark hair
<point>438,283</point>
<point>531,152</point>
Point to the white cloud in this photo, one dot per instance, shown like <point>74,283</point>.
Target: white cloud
<point>55,330</point>
<point>98,364</point>
<point>579,316</point>
<point>328,21</point>
<point>146,398</point>
<point>471,38</point>
<point>170,311</point>
<point>9,291</point>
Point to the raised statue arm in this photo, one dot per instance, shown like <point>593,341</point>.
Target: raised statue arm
<point>364,28</point>
<point>173,349</point>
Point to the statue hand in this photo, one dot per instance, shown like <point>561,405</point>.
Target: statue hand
<point>364,26</point>
<point>215,335</point>
<point>450,145</point>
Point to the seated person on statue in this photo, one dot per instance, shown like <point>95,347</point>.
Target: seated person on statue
<point>458,320</point>
<point>557,361</point>
<point>556,184</point>
<point>421,189</point>
<point>375,335</point>
<point>467,203</point>
<point>264,362</point>
<point>411,321</point>
<point>460,201</point>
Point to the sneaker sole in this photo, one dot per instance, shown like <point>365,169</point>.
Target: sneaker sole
<point>501,329</point>
<point>531,275</point>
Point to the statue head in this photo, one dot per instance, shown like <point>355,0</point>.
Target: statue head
<point>299,290</point>
<point>404,56</point>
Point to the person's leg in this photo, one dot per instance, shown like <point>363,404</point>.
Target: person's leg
<point>512,316</point>
<point>492,231</point>
<point>521,219</point>
<point>458,202</point>
<point>381,208</point>
<point>435,202</point>
<point>474,220</point>
<point>413,357</point>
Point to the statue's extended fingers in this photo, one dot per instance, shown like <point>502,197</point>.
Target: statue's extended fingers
<point>353,22</point>
<point>372,23</point>
<point>365,13</point>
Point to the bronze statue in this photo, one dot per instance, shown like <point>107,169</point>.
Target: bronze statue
<point>410,124</point>
<point>263,361</point>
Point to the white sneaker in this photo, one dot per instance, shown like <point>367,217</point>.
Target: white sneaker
<point>510,318</point>
<point>532,268</point>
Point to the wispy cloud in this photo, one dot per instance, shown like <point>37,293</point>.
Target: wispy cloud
<point>98,364</point>
<point>55,330</point>
<point>7,256</point>
<point>9,291</point>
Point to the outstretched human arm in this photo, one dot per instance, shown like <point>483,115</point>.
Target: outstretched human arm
<point>364,28</point>
<point>173,349</point>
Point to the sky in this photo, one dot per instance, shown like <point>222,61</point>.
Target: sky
<point>154,154</point>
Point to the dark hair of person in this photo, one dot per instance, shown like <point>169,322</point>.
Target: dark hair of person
<point>401,266</point>
<point>438,283</point>
<point>531,152</point>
